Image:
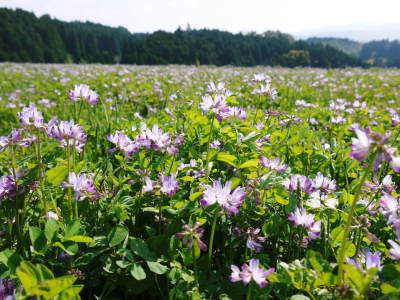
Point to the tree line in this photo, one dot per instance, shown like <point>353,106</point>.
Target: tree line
<point>27,38</point>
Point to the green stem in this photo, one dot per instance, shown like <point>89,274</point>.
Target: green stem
<point>210,248</point>
<point>343,247</point>
<point>250,289</point>
<point>208,148</point>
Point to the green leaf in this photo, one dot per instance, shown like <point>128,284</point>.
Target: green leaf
<point>226,158</point>
<point>51,229</point>
<point>140,248</point>
<point>299,297</point>
<point>62,247</point>
<point>79,239</point>
<point>57,174</point>
<point>73,228</point>
<point>156,267</point>
<point>28,276</point>
<point>194,196</point>
<point>280,200</point>
<point>388,288</point>
<point>137,272</point>
<point>117,235</point>
<point>252,163</point>
<point>11,259</point>
<point>37,237</point>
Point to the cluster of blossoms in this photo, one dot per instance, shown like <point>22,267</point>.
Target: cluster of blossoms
<point>221,194</point>
<point>301,218</point>
<point>82,92</point>
<point>30,116</point>
<point>7,289</point>
<point>253,240</point>
<point>387,185</point>
<point>218,106</point>
<point>304,104</point>
<point>7,187</point>
<point>366,260</point>
<point>168,185</point>
<point>154,138</point>
<point>189,169</point>
<point>68,133</point>
<point>249,272</point>
<point>367,141</point>
<point>273,164</point>
<point>309,186</point>
<point>192,233</point>
<point>82,185</point>
<point>266,88</point>
<point>218,89</point>
<point>341,105</point>
<point>15,138</point>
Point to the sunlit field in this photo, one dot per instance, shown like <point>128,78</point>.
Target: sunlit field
<point>173,182</point>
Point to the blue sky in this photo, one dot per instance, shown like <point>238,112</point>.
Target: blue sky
<point>293,16</point>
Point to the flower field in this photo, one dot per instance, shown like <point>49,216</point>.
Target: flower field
<point>128,182</point>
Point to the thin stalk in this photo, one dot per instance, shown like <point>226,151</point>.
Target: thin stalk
<point>249,291</point>
<point>210,248</point>
<point>348,225</point>
<point>208,147</point>
<point>17,202</point>
<point>70,200</point>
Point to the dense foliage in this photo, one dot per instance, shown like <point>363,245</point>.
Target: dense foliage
<point>26,38</point>
<point>198,183</point>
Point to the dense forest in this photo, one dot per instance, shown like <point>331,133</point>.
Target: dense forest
<point>27,38</point>
<point>382,53</point>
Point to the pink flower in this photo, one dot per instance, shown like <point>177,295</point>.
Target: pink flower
<point>324,184</point>
<point>273,164</point>
<point>81,184</point>
<point>361,145</point>
<point>299,181</point>
<point>169,186</point>
<point>222,195</point>
<point>192,233</point>
<point>395,250</point>
<point>83,92</point>
<point>30,116</point>
<point>301,218</point>
<point>251,272</point>
<point>68,133</point>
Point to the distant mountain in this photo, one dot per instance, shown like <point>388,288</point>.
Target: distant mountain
<point>346,45</point>
<point>362,32</point>
<point>382,53</point>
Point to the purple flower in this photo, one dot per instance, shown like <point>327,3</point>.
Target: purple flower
<point>253,240</point>
<point>169,186</point>
<point>83,92</point>
<point>238,112</point>
<point>301,218</point>
<point>251,272</point>
<point>7,289</point>
<point>81,184</point>
<point>395,250</point>
<point>192,233</point>
<point>361,145</point>
<point>324,184</point>
<point>314,231</point>
<point>222,195</point>
<point>15,139</point>
<point>124,143</point>
<point>69,133</point>
<point>149,185</point>
<point>51,215</point>
<point>7,186</point>
<point>273,164</point>
<point>266,89</point>
<point>216,105</point>
<point>389,204</point>
<point>30,116</point>
<point>215,144</point>
<point>366,259</point>
<point>299,181</point>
